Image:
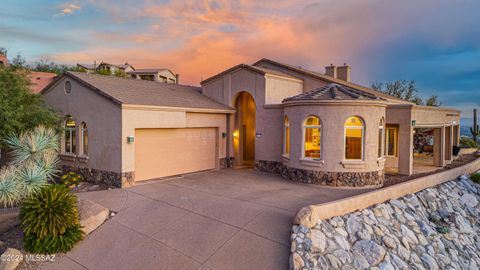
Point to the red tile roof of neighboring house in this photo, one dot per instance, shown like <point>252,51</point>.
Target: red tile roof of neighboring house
<point>40,80</point>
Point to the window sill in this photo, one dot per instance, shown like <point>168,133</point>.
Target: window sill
<point>381,161</point>
<point>83,159</point>
<point>353,164</point>
<point>67,157</point>
<point>314,162</point>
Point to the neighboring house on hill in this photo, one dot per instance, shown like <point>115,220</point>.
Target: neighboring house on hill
<point>40,80</point>
<point>308,126</point>
<point>115,68</point>
<point>159,75</point>
<point>3,60</point>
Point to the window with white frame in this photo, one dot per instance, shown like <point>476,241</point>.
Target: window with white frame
<point>312,138</point>
<point>381,132</point>
<point>286,137</point>
<point>70,138</point>
<point>354,138</point>
<point>84,130</point>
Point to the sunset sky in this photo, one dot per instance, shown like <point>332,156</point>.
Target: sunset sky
<point>434,42</point>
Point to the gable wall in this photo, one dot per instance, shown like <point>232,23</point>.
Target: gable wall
<point>103,119</point>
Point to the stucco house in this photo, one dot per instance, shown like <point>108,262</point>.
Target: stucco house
<point>307,126</point>
<point>154,74</point>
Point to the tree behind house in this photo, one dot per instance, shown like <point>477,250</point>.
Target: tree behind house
<point>406,90</point>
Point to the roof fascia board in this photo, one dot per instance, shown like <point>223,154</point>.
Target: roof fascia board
<point>174,109</point>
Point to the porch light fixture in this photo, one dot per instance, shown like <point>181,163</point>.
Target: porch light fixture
<point>414,122</point>
<point>130,139</point>
<point>235,133</point>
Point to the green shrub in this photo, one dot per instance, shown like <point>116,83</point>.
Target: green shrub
<point>50,221</point>
<point>475,177</point>
<point>467,142</point>
<point>71,179</point>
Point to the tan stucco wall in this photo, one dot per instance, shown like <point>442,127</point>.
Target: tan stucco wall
<point>103,119</point>
<point>278,88</point>
<point>333,118</point>
<point>134,118</point>
<point>427,116</point>
<point>402,116</point>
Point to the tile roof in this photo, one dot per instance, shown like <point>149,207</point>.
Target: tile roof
<point>253,68</point>
<point>331,79</point>
<point>40,80</point>
<point>334,91</point>
<point>150,93</point>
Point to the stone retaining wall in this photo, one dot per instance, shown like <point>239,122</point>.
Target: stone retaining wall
<point>108,178</point>
<point>336,179</point>
<point>437,228</point>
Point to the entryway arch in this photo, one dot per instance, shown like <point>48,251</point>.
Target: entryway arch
<point>244,132</point>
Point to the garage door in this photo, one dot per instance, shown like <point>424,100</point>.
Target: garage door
<point>167,152</point>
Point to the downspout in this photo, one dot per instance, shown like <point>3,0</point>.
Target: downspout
<point>228,141</point>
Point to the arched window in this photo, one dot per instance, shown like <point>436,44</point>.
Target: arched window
<point>312,138</point>
<point>381,132</point>
<point>70,137</point>
<point>286,137</point>
<point>354,136</point>
<point>84,139</point>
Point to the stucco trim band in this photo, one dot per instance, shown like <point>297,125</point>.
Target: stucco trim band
<point>309,215</point>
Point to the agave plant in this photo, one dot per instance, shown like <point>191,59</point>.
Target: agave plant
<point>11,190</point>
<point>35,158</point>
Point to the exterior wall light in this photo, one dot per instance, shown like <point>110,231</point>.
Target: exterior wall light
<point>235,133</point>
<point>130,139</point>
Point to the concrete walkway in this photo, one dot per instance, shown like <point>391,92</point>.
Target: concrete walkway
<point>227,219</point>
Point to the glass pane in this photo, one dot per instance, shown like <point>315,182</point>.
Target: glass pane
<point>85,141</point>
<point>312,142</point>
<point>68,148</point>
<point>391,142</point>
<point>354,122</point>
<point>380,135</point>
<point>312,121</point>
<point>74,142</point>
<point>353,143</point>
<point>287,140</point>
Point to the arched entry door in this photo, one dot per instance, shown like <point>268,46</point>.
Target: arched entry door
<point>244,133</point>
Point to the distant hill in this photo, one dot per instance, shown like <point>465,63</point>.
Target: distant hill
<point>465,131</point>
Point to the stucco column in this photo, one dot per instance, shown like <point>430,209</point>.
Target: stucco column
<point>448,143</point>
<point>405,149</point>
<point>439,147</point>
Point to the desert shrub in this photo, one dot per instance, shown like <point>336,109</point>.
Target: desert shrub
<point>34,162</point>
<point>71,179</point>
<point>50,220</point>
<point>475,177</point>
<point>467,142</point>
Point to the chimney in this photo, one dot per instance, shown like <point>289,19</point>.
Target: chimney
<point>343,72</point>
<point>331,71</point>
<point>177,78</point>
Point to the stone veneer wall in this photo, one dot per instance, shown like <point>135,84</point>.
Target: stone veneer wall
<point>337,179</point>
<point>108,178</point>
<point>226,162</point>
<point>437,228</point>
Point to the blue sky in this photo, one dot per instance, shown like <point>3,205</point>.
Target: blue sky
<point>434,42</point>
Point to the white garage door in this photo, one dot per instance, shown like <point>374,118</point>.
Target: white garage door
<point>167,152</point>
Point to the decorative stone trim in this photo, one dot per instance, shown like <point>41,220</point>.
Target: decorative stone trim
<point>83,159</point>
<point>337,179</point>
<point>311,162</point>
<point>381,162</point>
<point>353,164</point>
<point>96,176</point>
<point>67,157</point>
<point>226,162</point>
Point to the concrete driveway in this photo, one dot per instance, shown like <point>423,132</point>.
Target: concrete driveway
<point>226,219</point>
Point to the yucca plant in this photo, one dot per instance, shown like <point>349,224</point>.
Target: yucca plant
<point>50,220</point>
<point>35,159</point>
